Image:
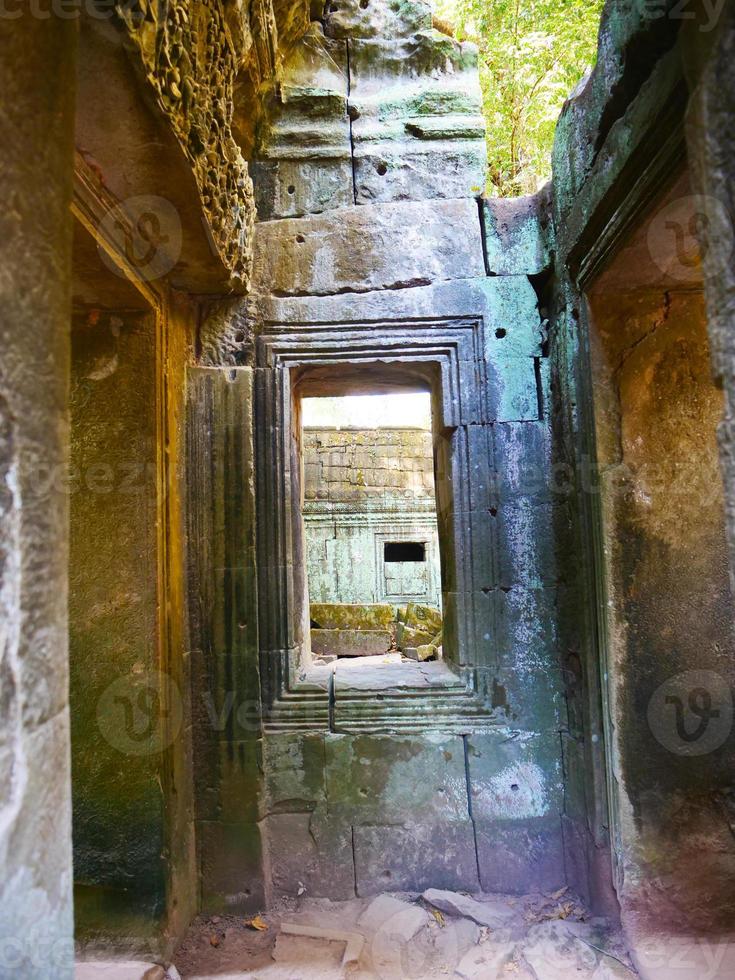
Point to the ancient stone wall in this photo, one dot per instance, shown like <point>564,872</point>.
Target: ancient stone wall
<point>375,104</point>
<point>206,62</point>
<point>367,259</point>
<point>37,73</point>
<point>362,490</point>
<point>626,321</point>
<point>388,466</point>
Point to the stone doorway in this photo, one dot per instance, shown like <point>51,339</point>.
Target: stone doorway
<point>666,632</point>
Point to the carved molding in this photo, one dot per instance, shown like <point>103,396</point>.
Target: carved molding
<point>453,349</point>
<point>192,64</point>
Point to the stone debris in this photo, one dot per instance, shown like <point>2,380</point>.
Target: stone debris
<point>404,919</point>
<point>155,973</point>
<point>485,961</point>
<point>610,969</point>
<point>554,951</point>
<point>421,617</point>
<point>395,936</point>
<point>353,941</point>
<point>426,651</point>
<point>495,914</point>
<point>118,970</point>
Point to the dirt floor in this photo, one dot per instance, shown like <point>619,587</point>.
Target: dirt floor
<point>409,937</point>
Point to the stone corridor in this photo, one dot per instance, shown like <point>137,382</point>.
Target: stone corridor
<point>516,761</point>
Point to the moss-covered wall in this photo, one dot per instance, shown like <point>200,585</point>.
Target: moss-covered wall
<point>132,778</point>
<point>114,620</point>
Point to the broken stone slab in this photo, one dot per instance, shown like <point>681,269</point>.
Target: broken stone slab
<point>117,970</point>
<point>410,637</point>
<point>423,617</point>
<point>301,956</point>
<point>343,615</point>
<point>386,247</point>
<point>387,912</point>
<point>350,643</point>
<point>485,961</point>
<point>611,969</point>
<point>353,941</point>
<point>494,914</point>
<point>427,651</point>
<point>518,234</point>
<point>555,952</point>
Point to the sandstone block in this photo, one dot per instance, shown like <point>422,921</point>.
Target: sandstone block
<point>409,637</point>
<point>353,18</point>
<point>312,850</point>
<point>515,779</point>
<point>495,914</point>
<point>425,652</point>
<point>351,643</point>
<point>518,234</point>
<point>520,856</point>
<point>303,154</point>
<point>554,952</point>
<point>391,779</point>
<point>402,919</point>
<point>422,617</point>
<point>399,858</point>
<point>293,765</point>
<point>337,615</point>
<point>386,247</point>
<point>486,961</point>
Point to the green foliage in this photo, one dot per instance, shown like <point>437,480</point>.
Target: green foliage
<point>532,54</point>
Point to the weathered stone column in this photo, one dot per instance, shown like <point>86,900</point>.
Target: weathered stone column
<point>37,79</point>
<point>711,145</point>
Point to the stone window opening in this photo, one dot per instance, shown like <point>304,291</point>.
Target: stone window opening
<point>444,358</point>
<point>404,551</point>
<point>370,530</point>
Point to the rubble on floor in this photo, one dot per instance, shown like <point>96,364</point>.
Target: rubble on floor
<point>432,936</point>
<point>352,630</point>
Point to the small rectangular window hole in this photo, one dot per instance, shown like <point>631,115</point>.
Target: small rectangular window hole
<point>404,551</point>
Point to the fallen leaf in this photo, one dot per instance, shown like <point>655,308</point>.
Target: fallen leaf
<point>438,916</point>
<point>258,923</point>
<point>214,940</point>
<point>564,911</point>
